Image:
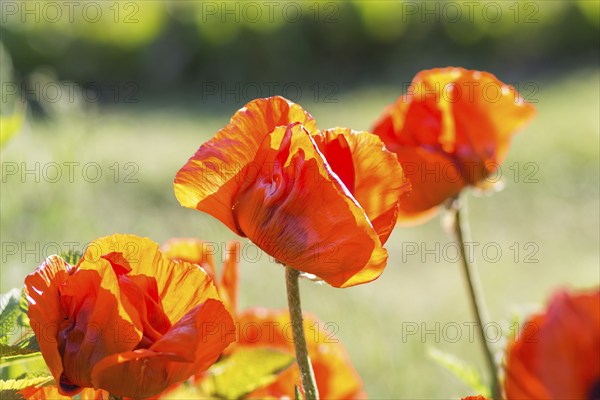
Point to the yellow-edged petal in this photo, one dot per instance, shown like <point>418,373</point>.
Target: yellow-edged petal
<point>211,177</point>
<point>377,183</point>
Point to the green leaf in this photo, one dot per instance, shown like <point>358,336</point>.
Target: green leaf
<point>23,365</point>
<point>9,388</point>
<point>459,368</point>
<point>10,125</point>
<point>19,350</point>
<point>246,370</point>
<point>12,320</point>
<point>18,384</point>
<point>16,335</point>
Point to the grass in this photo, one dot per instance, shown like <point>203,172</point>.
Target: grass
<point>557,217</point>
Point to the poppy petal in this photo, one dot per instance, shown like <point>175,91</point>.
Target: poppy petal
<point>378,181</point>
<point>433,178</point>
<point>551,356</point>
<point>193,251</point>
<point>210,179</point>
<point>296,209</point>
<point>96,323</point>
<point>229,282</point>
<point>172,277</point>
<point>45,311</point>
<point>142,291</point>
<point>191,346</point>
<point>410,122</point>
<point>485,111</point>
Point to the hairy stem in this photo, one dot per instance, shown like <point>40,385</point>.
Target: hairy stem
<point>302,358</point>
<point>460,228</point>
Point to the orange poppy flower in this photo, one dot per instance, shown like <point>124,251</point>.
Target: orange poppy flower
<point>320,202</point>
<point>451,129</point>
<point>261,327</point>
<point>557,354</point>
<point>478,397</point>
<point>125,319</point>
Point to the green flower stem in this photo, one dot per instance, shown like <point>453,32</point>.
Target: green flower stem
<point>460,228</point>
<point>302,358</point>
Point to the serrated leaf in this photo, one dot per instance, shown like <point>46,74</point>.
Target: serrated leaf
<point>246,370</point>
<point>468,374</point>
<point>9,388</point>
<point>10,316</point>
<point>19,384</point>
<point>28,344</point>
<point>16,335</point>
<point>23,365</point>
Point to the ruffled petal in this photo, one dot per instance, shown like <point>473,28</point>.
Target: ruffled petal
<point>295,208</point>
<point>210,179</point>
<point>96,325</point>
<point>172,277</point>
<point>433,178</point>
<point>410,122</point>
<point>377,180</point>
<point>142,291</point>
<point>191,346</point>
<point>45,312</point>
<point>486,113</point>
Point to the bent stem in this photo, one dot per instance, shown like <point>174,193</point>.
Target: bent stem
<point>460,228</point>
<point>302,358</point>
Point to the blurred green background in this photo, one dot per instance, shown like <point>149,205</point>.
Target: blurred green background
<point>118,95</point>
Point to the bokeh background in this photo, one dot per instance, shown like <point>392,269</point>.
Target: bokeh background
<point>108,99</point>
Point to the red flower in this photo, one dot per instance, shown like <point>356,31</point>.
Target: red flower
<point>322,203</point>
<point>452,129</point>
<point>557,355</point>
<point>125,319</point>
